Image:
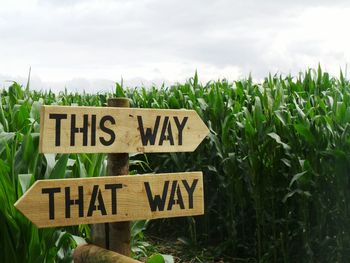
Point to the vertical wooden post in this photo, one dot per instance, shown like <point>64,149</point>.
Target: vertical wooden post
<point>114,236</point>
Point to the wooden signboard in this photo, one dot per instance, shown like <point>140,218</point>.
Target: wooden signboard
<point>65,202</point>
<point>66,129</point>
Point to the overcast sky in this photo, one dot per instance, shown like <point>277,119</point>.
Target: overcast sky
<point>91,44</point>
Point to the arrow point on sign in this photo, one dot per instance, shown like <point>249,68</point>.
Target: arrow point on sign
<point>149,132</point>
<point>201,129</point>
<point>22,204</point>
<point>50,210</point>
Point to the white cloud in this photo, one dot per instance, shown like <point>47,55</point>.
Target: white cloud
<point>94,43</point>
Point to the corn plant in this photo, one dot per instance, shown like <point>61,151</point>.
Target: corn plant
<point>275,167</point>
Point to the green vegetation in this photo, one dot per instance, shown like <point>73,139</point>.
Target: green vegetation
<point>276,167</point>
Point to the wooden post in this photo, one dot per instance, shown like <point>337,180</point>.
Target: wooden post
<point>94,254</point>
<point>114,236</point>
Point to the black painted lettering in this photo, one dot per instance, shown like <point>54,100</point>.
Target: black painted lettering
<point>51,192</point>
<point>190,191</point>
<point>107,130</point>
<point>166,129</point>
<point>180,127</point>
<point>156,202</point>
<point>74,129</point>
<point>150,135</point>
<point>58,117</point>
<point>114,188</point>
<point>93,130</point>
<point>70,202</point>
<point>84,130</point>
<point>175,188</point>
<point>96,194</point>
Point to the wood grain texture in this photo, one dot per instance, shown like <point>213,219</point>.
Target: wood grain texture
<point>133,199</point>
<point>94,254</point>
<point>170,135</point>
<point>119,236</point>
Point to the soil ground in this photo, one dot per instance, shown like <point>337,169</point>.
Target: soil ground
<point>183,253</point>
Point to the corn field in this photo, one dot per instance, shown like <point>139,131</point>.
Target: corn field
<point>276,168</point>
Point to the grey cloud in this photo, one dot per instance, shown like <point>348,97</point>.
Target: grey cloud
<point>80,37</point>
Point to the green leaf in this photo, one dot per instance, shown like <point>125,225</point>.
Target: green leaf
<point>305,132</point>
<point>296,177</point>
<point>280,117</point>
<point>138,226</point>
<point>35,110</point>
<point>277,138</point>
<point>5,138</point>
<point>286,162</point>
<point>3,120</point>
<point>174,103</point>
<point>79,240</point>
<point>25,181</point>
<point>300,112</point>
<point>81,167</point>
<point>297,191</point>
<point>50,163</point>
<point>119,92</point>
<point>156,258</point>
<point>59,170</point>
<point>202,104</point>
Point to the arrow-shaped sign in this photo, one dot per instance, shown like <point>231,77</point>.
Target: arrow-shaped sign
<point>64,202</point>
<point>66,129</point>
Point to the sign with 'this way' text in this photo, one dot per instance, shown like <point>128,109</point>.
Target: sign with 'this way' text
<point>66,129</point>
